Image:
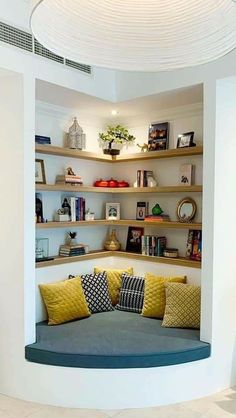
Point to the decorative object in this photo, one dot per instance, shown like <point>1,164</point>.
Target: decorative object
<point>69,178</point>
<point>171,252</point>
<point>154,294</point>
<point>185,140</point>
<point>134,239</point>
<point>131,294</point>
<point>151,182</point>
<point>112,243</point>
<point>112,183</point>
<point>122,183</point>
<point>95,289</point>
<point>64,301</point>
<point>114,280</point>
<point>60,216</point>
<point>186,210</point>
<point>39,208</point>
<point>157,210</point>
<point>194,245</point>
<point>186,174</point>
<point>40,177</point>
<point>72,238</point>
<point>42,140</point>
<point>115,135</point>
<point>143,148</point>
<point>141,210</point>
<point>136,37</point>
<point>76,137</point>
<point>113,211</point>
<point>89,216</point>
<point>101,183</point>
<point>72,250</point>
<point>183,306</point>
<point>41,249</point>
<point>158,136</point>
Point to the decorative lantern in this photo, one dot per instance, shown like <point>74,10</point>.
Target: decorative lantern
<point>76,137</point>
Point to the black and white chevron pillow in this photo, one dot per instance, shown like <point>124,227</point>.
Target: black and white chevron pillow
<point>131,294</point>
<point>95,289</point>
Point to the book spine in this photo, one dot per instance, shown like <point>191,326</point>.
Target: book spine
<point>72,209</point>
<point>138,178</point>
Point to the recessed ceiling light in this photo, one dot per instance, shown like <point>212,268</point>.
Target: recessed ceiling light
<point>114,112</point>
<point>144,35</point>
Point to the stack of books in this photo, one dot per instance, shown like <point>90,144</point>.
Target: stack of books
<point>142,177</point>
<point>43,140</point>
<point>157,218</point>
<point>69,179</point>
<point>153,245</point>
<point>71,250</point>
<point>194,245</point>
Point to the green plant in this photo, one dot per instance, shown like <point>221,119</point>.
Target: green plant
<point>116,134</point>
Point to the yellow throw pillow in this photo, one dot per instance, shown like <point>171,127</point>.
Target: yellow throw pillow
<point>183,304</point>
<point>114,281</point>
<point>154,294</point>
<point>64,301</point>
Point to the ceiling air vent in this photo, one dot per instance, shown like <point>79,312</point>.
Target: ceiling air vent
<point>16,37</point>
<point>44,52</point>
<point>25,40</point>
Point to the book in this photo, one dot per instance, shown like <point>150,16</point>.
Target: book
<point>196,253</point>
<point>60,179</point>
<point>43,140</point>
<point>186,174</point>
<point>157,218</point>
<point>153,245</point>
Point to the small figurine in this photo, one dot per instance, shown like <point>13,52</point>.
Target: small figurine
<point>70,172</point>
<point>143,147</point>
<point>157,210</point>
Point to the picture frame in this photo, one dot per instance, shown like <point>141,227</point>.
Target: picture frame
<point>158,136</point>
<point>185,140</point>
<point>40,177</point>
<point>141,210</point>
<point>113,211</point>
<point>134,239</point>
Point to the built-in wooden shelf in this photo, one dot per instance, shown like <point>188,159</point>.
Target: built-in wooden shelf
<point>120,222</point>
<point>115,190</point>
<point>149,155</point>
<point>101,254</point>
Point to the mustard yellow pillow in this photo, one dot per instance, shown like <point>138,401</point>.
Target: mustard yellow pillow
<point>114,281</point>
<point>183,304</point>
<point>64,301</point>
<point>154,294</point>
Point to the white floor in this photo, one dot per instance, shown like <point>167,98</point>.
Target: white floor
<point>221,405</point>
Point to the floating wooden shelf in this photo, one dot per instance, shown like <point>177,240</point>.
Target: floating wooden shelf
<point>117,190</point>
<point>120,222</point>
<point>101,254</point>
<point>149,155</point>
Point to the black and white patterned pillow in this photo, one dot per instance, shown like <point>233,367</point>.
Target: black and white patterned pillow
<point>131,294</point>
<point>95,289</point>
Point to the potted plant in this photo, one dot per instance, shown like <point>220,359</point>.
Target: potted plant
<point>114,138</point>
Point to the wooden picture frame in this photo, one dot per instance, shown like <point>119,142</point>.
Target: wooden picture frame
<point>113,211</point>
<point>134,239</point>
<point>40,177</point>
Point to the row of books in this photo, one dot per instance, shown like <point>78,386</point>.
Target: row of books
<point>76,207</point>
<point>194,245</point>
<point>142,177</point>
<point>69,179</point>
<point>43,140</point>
<point>71,250</point>
<point>153,245</point>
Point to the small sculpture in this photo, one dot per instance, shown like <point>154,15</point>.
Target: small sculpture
<point>70,172</point>
<point>157,210</point>
<point>143,147</point>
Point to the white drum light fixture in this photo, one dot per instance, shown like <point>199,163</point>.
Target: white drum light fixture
<point>137,35</point>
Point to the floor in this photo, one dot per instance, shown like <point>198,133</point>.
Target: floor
<point>221,405</point>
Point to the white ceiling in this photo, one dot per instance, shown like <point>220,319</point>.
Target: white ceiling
<point>83,103</point>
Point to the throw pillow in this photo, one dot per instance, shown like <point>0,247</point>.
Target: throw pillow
<point>183,303</point>
<point>95,289</point>
<point>114,281</point>
<point>154,294</point>
<point>131,294</point>
<point>64,301</point>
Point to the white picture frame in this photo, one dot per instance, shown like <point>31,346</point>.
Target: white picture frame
<point>112,211</point>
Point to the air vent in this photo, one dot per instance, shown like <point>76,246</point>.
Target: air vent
<point>81,67</point>
<point>44,52</point>
<point>16,37</point>
<point>24,40</point>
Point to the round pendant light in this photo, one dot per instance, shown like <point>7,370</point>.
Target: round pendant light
<point>136,35</point>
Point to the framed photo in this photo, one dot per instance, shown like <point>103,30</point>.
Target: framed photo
<point>185,140</point>
<point>112,211</point>
<point>158,136</point>
<point>134,239</point>
<point>40,177</point>
<point>141,210</point>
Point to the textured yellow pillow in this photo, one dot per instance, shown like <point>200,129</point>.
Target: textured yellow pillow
<point>114,281</point>
<point>64,301</point>
<point>183,302</point>
<point>154,294</point>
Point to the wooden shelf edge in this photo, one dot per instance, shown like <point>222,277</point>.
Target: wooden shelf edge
<point>102,253</point>
<point>118,190</point>
<point>72,153</point>
<point>121,222</point>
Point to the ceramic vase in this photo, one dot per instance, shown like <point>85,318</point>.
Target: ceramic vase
<point>112,243</point>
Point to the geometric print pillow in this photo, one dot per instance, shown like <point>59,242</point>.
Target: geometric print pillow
<point>131,294</point>
<point>95,289</point>
<point>183,306</point>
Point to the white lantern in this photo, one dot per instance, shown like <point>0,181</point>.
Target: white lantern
<point>76,137</point>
